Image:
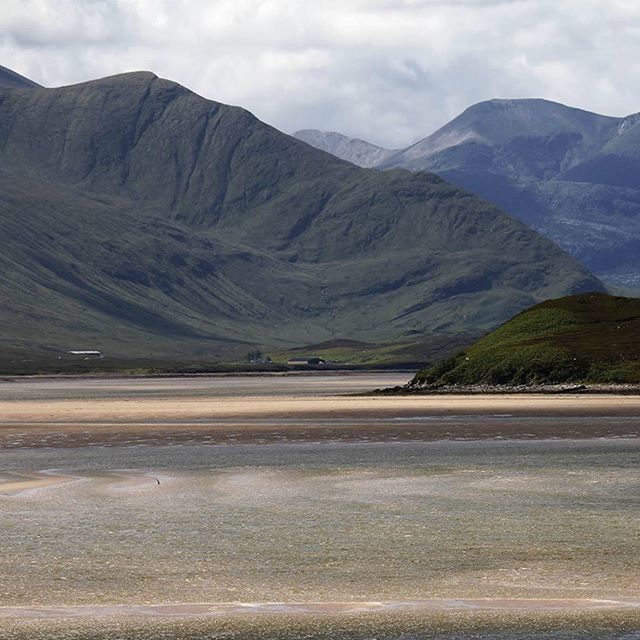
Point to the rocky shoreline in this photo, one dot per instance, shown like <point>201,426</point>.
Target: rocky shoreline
<point>486,389</point>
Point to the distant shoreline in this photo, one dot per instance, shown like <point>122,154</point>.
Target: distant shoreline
<point>542,389</point>
<point>280,418</point>
<point>245,373</point>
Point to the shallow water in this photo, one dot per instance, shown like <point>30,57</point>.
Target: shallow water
<point>171,517</point>
<point>228,386</point>
<point>314,522</point>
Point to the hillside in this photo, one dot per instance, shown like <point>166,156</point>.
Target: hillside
<point>572,175</point>
<point>138,217</point>
<point>11,80</point>
<point>584,338</point>
<point>359,152</point>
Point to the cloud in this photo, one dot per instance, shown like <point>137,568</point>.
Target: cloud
<point>390,71</point>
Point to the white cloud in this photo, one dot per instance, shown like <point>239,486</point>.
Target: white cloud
<point>386,70</point>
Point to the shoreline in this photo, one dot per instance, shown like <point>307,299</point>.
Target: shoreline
<point>582,388</point>
<point>490,390</point>
<point>244,373</point>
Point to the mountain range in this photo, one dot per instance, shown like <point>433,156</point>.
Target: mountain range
<point>572,175</point>
<point>138,217</point>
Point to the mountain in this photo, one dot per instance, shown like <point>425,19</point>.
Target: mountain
<point>140,218</point>
<point>585,338</point>
<point>11,80</point>
<point>572,175</point>
<point>354,150</point>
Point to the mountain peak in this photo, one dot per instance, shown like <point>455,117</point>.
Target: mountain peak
<point>129,78</point>
<point>507,123</point>
<point>570,173</point>
<point>501,119</point>
<point>147,76</point>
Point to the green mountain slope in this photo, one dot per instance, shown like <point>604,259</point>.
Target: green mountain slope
<point>584,338</point>
<point>138,217</point>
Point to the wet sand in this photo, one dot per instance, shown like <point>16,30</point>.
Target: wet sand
<point>187,409</point>
<point>139,433</point>
<point>16,483</point>
<point>323,522</point>
<point>298,408</point>
<point>454,624</point>
<point>284,608</point>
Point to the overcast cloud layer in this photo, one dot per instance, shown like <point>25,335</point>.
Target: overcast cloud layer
<point>390,71</point>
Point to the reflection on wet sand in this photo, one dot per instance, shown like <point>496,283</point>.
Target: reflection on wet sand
<point>324,522</point>
<point>283,608</point>
<point>14,483</point>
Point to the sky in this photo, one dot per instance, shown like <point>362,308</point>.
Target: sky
<point>388,71</point>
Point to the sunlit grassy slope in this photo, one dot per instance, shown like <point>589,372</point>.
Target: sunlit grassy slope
<point>584,338</point>
<point>403,353</point>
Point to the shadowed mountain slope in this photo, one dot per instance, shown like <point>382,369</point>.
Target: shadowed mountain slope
<point>570,174</point>
<point>11,80</point>
<point>584,338</point>
<point>139,217</point>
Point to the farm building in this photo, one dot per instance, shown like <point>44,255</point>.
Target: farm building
<point>305,361</point>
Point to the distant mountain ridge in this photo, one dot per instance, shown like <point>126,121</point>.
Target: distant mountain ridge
<point>138,217</point>
<point>572,175</point>
<point>360,152</point>
<point>503,129</point>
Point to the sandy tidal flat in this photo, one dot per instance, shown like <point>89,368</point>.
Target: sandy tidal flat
<point>268,511</point>
<point>260,409</point>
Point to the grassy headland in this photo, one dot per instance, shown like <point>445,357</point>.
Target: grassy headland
<point>587,338</point>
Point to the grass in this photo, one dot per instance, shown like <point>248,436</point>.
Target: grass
<point>585,338</point>
<point>401,353</point>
